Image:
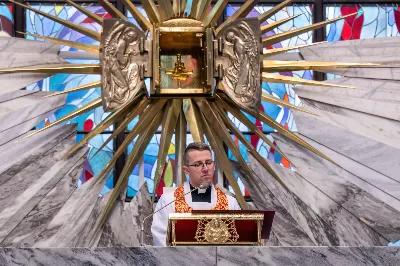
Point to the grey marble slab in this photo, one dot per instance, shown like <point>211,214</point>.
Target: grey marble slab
<point>16,156</point>
<point>18,110</point>
<point>21,45</point>
<point>327,220</point>
<point>310,256</point>
<point>374,127</point>
<point>124,223</point>
<point>286,229</point>
<point>385,109</point>
<point>65,228</point>
<point>323,176</point>
<point>23,204</point>
<point>369,89</point>
<point>371,153</point>
<point>116,256</point>
<point>35,174</point>
<point>28,230</point>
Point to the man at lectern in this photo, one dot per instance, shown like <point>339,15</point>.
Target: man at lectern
<point>199,166</point>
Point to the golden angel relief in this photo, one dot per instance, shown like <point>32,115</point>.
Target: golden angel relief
<point>122,68</point>
<point>240,60</point>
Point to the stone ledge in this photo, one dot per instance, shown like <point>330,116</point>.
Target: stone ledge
<point>286,256</point>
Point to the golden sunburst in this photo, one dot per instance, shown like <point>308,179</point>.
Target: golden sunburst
<point>203,109</point>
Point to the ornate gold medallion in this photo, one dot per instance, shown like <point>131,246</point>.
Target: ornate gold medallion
<point>216,231</point>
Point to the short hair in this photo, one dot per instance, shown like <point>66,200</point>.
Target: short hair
<point>197,146</point>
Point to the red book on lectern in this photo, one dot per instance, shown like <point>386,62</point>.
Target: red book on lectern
<point>245,227</point>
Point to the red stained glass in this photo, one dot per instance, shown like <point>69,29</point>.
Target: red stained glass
<point>353,24</point>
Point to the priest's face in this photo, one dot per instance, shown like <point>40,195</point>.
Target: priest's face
<point>200,167</point>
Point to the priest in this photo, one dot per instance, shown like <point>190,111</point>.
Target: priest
<point>199,166</point>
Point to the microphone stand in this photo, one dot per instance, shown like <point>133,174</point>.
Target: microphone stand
<point>144,220</point>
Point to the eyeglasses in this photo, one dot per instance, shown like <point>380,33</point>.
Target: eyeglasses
<point>199,165</point>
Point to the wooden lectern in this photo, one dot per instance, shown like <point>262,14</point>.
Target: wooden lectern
<point>219,227</point>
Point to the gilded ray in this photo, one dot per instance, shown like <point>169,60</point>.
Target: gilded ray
<point>278,127</point>
<point>180,145</point>
<point>289,34</point>
<point>271,26</point>
<point>275,78</point>
<point>280,66</point>
<point>106,123</point>
<point>223,161</point>
<point>140,127</point>
<point>275,51</point>
<point>274,100</point>
<point>202,9</point>
<point>137,15</point>
<point>90,33</point>
<point>193,8</point>
<point>151,11</point>
<point>166,10</point>
<point>168,125</point>
<point>111,9</point>
<point>90,48</point>
<point>212,115</point>
<point>242,12</point>
<point>137,110</point>
<point>266,15</point>
<point>193,120</point>
<point>245,142</point>
<point>90,85</point>
<point>211,18</point>
<point>242,118</point>
<point>92,16</point>
<point>54,69</point>
<point>132,160</point>
<point>81,110</point>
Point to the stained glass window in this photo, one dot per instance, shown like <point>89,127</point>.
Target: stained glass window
<point>6,20</point>
<point>40,25</point>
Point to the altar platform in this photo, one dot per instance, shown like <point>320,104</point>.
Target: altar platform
<point>285,256</point>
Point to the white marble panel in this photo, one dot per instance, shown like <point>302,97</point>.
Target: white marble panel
<point>21,45</point>
<point>22,128</point>
<point>368,89</point>
<point>366,50</point>
<point>31,179</point>
<point>123,225</point>
<point>16,81</point>
<point>16,155</point>
<point>373,154</point>
<point>6,95</point>
<point>18,110</point>
<point>14,213</point>
<point>389,110</point>
<point>327,178</point>
<point>12,60</point>
<point>65,228</point>
<point>340,226</point>
<point>374,127</point>
<point>29,229</point>
<point>391,72</point>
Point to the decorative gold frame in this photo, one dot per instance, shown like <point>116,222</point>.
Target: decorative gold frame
<point>174,217</point>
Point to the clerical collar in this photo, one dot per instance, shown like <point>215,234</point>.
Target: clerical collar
<point>201,195</point>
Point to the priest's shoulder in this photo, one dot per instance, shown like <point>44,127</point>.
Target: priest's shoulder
<point>168,194</point>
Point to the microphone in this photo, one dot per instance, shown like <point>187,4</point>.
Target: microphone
<point>202,186</point>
